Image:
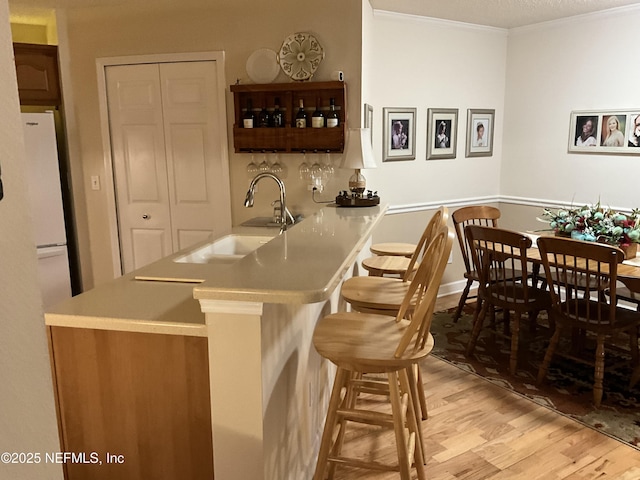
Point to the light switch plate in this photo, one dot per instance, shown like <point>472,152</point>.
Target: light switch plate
<point>95,182</point>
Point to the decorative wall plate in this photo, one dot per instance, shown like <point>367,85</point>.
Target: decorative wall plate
<point>262,66</point>
<point>300,55</point>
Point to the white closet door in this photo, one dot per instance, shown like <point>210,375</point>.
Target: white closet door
<point>139,161</point>
<point>169,159</point>
<point>195,155</point>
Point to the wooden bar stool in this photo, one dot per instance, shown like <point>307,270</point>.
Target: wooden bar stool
<point>380,265</point>
<point>393,249</point>
<point>360,343</point>
<point>385,295</point>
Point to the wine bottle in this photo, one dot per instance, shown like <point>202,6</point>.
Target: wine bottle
<point>263,117</point>
<point>301,116</point>
<point>277,117</point>
<point>332,117</point>
<point>249,117</point>
<point>317,119</point>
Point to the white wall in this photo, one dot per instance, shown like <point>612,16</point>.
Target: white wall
<point>27,414</point>
<point>582,63</point>
<point>428,63</point>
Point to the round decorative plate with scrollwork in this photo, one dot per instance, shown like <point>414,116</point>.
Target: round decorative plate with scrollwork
<point>300,55</point>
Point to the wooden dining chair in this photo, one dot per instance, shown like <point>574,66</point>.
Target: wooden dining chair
<point>391,346</point>
<point>473,215</point>
<point>500,259</point>
<point>383,294</point>
<point>594,267</point>
<point>630,292</point>
<point>396,265</point>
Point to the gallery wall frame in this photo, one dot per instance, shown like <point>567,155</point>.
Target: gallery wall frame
<point>399,133</point>
<point>442,133</point>
<point>480,126</point>
<point>368,119</point>
<point>605,131</point>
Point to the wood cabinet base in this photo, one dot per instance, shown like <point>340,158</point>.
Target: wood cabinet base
<point>141,398</point>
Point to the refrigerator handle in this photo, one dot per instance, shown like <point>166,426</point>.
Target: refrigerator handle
<point>1,188</point>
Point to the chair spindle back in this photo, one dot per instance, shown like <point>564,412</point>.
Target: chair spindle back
<point>578,274</point>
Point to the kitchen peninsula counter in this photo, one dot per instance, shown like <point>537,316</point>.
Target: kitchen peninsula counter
<point>302,265</point>
<point>207,369</point>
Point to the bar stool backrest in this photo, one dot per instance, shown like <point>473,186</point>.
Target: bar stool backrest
<point>429,274</point>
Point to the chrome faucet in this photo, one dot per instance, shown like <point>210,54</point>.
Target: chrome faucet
<point>285,214</point>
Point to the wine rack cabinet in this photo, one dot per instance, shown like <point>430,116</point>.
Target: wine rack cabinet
<point>289,139</point>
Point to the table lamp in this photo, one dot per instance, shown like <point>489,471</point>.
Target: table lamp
<point>358,154</point>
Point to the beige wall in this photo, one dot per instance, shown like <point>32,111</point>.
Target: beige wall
<point>27,414</point>
<point>388,60</point>
<point>234,29</point>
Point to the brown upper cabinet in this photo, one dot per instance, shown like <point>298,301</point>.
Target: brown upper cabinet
<point>289,139</point>
<point>38,74</point>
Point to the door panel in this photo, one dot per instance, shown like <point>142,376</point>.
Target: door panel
<point>148,245</point>
<point>139,162</point>
<point>189,163</point>
<point>195,160</point>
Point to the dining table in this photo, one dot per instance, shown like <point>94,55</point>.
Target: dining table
<point>628,269</point>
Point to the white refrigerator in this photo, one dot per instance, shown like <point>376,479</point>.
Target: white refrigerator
<point>43,177</point>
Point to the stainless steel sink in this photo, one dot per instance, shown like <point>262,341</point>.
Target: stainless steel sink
<point>229,247</point>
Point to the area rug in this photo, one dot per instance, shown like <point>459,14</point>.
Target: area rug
<point>568,386</point>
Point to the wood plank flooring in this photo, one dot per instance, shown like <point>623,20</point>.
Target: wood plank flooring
<point>479,431</point>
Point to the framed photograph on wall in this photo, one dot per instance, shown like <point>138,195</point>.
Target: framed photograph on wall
<point>399,134</point>
<point>442,133</point>
<point>368,119</point>
<point>605,132</point>
<point>480,132</point>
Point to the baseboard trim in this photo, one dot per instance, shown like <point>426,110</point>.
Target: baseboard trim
<point>451,288</point>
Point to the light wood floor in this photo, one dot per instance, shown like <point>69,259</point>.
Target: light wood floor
<point>478,431</point>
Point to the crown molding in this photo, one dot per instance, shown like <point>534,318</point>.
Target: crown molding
<point>439,22</point>
<point>576,19</point>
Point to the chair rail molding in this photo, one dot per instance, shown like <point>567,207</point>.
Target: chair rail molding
<point>454,203</point>
<point>508,199</point>
<point>538,202</point>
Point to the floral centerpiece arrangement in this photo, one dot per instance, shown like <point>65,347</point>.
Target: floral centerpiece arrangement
<point>595,223</point>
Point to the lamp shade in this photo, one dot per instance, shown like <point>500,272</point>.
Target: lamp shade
<point>358,153</point>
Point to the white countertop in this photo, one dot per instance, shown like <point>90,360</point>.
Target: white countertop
<point>302,265</point>
<point>125,304</point>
